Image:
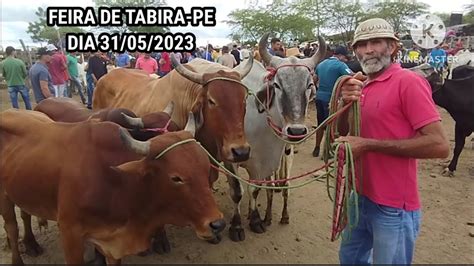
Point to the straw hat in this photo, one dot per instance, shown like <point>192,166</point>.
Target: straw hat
<point>294,52</point>
<point>373,28</point>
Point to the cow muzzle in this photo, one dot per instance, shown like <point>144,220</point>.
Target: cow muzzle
<point>240,153</point>
<point>295,132</point>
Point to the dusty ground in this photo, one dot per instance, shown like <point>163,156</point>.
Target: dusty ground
<point>444,238</point>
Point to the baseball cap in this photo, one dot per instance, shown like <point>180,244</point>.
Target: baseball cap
<point>51,47</point>
<point>43,51</point>
<point>341,50</point>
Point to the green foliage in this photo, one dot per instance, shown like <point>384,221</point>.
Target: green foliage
<point>281,17</point>
<point>40,32</point>
<point>132,3</point>
<point>398,13</point>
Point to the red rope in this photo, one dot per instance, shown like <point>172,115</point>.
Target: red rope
<point>159,129</point>
<point>260,182</point>
<point>338,224</point>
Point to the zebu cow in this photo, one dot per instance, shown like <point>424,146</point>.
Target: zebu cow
<point>456,95</point>
<point>209,90</point>
<point>286,99</point>
<point>144,128</point>
<point>116,196</point>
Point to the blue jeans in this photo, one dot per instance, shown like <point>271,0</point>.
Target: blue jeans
<point>76,83</point>
<point>384,235</point>
<point>90,90</point>
<point>25,94</point>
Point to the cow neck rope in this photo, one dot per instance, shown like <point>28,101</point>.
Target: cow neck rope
<point>172,146</point>
<point>227,79</point>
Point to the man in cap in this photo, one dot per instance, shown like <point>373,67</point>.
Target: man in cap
<point>40,77</point>
<point>327,73</point>
<point>58,70</point>
<point>399,123</point>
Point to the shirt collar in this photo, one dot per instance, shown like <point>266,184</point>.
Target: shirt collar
<point>394,67</point>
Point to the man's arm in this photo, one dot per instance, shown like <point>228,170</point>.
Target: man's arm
<point>429,142</point>
<point>45,89</point>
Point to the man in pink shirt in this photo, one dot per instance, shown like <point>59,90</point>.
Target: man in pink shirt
<point>147,64</point>
<point>399,123</point>
<point>58,70</point>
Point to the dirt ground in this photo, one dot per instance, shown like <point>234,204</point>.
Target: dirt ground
<point>444,237</point>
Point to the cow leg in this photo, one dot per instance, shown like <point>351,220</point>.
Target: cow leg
<point>32,248</point>
<point>459,140</point>
<point>72,242</point>
<point>285,218</point>
<point>160,243</point>
<point>268,213</point>
<point>256,223</point>
<point>7,209</point>
<point>236,231</point>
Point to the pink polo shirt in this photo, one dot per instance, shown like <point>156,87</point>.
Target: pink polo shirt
<point>148,65</point>
<point>394,106</point>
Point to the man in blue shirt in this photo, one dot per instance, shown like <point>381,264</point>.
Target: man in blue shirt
<point>275,45</point>
<point>437,58</point>
<point>40,78</point>
<point>327,72</point>
<point>123,60</point>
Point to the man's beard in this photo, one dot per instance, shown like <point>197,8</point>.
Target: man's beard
<point>373,64</point>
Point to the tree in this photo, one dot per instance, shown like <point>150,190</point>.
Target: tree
<point>345,16</point>
<point>398,13</point>
<point>315,10</point>
<point>281,17</point>
<point>40,32</point>
<point>131,3</point>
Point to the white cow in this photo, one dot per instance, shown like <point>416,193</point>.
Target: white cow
<point>463,57</point>
<point>289,93</point>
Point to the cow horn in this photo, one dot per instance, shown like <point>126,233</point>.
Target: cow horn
<point>169,108</point>
<point>140,147</point>
<point>262,49</point>
<point>191,124</point>
<point>316,58</point>
<point>192,76</point>
<point>246,68</point>
<point>134,122</point>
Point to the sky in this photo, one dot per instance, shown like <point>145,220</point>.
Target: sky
<point>15,16</point>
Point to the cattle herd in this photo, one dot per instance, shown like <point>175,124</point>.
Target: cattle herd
<point>113,177</point>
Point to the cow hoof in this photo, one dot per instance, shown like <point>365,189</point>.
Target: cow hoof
<point>447,172</point>
<point>236,233</point>
<point>267,222</point>
<point>256,223</point>
<point>285,220</point>
<point>217,239</point>
<point>161,245</point>
<point>32,248</point>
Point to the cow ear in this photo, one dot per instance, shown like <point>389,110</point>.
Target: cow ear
<point>263,97</point>
<point>130,169</point>
<point>197,110</point>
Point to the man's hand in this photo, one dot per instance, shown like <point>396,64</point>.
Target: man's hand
<point>358,145</point>
<point>351,90</point>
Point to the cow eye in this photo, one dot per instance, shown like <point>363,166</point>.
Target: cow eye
<point>276,86</point>
<point>211,102</point>
<point>177,180</point>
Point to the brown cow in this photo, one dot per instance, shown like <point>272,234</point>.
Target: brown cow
<point>211,91</point>
<point>68,110</point>
<point>116,196</point>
